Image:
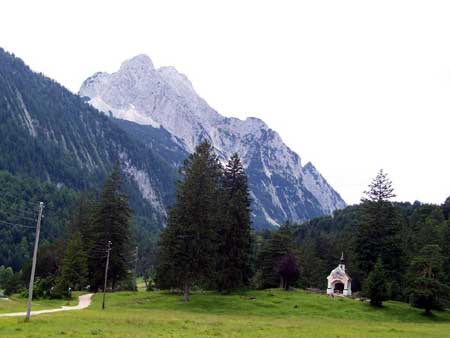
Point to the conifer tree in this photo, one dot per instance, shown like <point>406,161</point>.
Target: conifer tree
<point>377,285</point>
<point>82,218</point>
<point>446,251</point>
<point>235,231</point>
<point>111,222</point>
<point>188,244</point>
<point>446,208</point>
<point>74,270</point>
<point>280,244</point>
<point>379,231</point>
<point>426,288</point>
<point>82,223</point>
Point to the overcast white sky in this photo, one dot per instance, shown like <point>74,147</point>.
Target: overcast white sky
<point>353,86</point>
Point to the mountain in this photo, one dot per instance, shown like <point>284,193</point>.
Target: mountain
<point>281,187</point>
<point>54,141</point>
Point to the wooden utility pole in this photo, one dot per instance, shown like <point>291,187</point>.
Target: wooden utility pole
<point>135,267</point>
<point>33,267</point>
<point>106,274</point>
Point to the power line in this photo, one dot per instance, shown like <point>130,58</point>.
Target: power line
<point>22,210</point>
<point>9,214</point>
<point>18,225</point>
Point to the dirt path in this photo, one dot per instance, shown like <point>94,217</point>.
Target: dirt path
<point>83,302</point>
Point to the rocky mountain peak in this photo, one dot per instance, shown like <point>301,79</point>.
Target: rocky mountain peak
<point>138,64</point>
<point>281,188</point>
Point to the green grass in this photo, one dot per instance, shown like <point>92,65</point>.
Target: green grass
<point>270,313</point>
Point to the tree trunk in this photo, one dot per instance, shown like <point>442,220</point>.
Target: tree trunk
<point>281,282</point>
<point>186,292</point>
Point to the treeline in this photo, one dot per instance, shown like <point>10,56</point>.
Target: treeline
<point>401,248</point>
<point>207,242</point>
<point>396,251</point>
<point>19,200</point>
<point>78,263</point>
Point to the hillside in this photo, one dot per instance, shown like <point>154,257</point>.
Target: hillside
<point>51,135</point>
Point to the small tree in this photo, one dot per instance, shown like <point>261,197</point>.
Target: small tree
<point>74,270</point>
<point>288,271</point>
<point>427,291</point>
<point>376,285</point>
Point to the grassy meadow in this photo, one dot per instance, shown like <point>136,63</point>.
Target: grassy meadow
<point>18,304</point>
<point>269,313</point>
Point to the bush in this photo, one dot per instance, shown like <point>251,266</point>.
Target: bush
<point>14,284</point>
<point>42,288</point>
<point>376,285</point>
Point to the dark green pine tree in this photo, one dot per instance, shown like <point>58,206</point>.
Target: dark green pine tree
<point>446,208</point>
<point>279,245</point>
<point>446,251</point>
<point>111,222</point>
<point>377,285</point>
<point>82,222</point>
<point>234,256</point>
<point>446,239</point>
<point>379,230</point>
<point>74,270</point>
<point>188,244</point>
<point>83,217</point>
<point>426,289</point>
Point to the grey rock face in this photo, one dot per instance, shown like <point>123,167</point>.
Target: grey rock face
<point>162,97</point>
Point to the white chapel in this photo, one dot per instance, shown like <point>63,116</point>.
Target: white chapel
<point>339,282</point>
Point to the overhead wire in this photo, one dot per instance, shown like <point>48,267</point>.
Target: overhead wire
<point>21,210</point>
<point>18,225</point>
<point>10,214</point>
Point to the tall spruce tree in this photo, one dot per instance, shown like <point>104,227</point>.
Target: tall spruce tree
<point>188,244</point>
<point>235,231</point>
<point>379,230</point>
<point>111,222</point>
